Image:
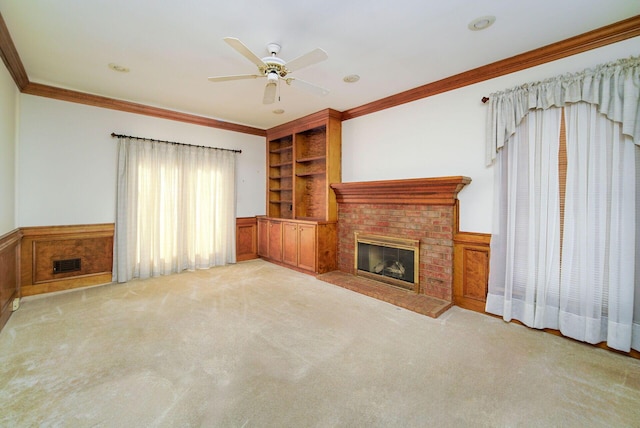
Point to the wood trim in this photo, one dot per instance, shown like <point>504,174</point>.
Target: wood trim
<point>14,65</point>
<point>472,238</point>
<point>93,243</point>
<point>246,238</point>
<point>600,37</point>
<point>34,231</point>
<point>10,239</point>
<point>130,107</point>
<point>305,123</point>
<point>420,191</point>
<point>9,273</point>
<point>11,58</point>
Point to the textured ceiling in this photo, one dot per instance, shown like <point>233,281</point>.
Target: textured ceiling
<point>172,47</point>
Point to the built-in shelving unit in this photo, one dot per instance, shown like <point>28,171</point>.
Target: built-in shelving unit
<point>303,160</point>
<point>280,179</point>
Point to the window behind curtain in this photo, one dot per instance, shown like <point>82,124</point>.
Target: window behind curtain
<point>564,248</point>
<point>175,208</point>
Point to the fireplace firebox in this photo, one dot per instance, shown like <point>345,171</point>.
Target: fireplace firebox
<point>390,260</point>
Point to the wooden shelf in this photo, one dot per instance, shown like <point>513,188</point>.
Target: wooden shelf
<point>281,190</point>
<point>276,165</point>
<point>309,174</point>
<point>280,202</point>
<point>281,149</point>
<point>311,159</point>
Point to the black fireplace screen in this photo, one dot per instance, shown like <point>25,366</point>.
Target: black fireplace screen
<point>389,262</point>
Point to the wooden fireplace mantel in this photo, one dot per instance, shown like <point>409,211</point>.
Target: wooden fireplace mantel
<point>422,191</point>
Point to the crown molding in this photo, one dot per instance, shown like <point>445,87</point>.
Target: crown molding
<point>603,36</point>
<point>11,58</point>
<point>129,107</point>
<point>14,65</point>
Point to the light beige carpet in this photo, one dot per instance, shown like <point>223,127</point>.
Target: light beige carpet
<point>258,345</point>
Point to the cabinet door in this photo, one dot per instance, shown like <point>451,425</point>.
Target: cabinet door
<point>263,237</point>
<point>246,239</point>
<point>290,243</point>
<point>307,247</point>
<point>275,240</point>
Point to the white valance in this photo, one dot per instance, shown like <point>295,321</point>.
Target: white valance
<point>614,87</point>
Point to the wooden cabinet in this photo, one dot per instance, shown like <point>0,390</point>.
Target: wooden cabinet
<point>306,241</point>
<point>246,238</point>
<point>290,243</point>
<point>303,160</point>
<point>275,240</point>
<point>263,237</point>
<point>471,253</point>
<point>302,244</point>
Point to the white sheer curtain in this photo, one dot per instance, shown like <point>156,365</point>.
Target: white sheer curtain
<point>594,296</point>
<point>524,273</point>
<point>175,208</point>
<point>599,249</point>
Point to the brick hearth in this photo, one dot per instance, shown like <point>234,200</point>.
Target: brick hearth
<point>422,209</point>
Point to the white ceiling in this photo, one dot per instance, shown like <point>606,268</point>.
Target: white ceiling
<point>172,47</point>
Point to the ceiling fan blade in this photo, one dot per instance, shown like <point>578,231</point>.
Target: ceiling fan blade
<point>269,93</point>
<point>244,51</point>
<point>233,77</point>
<point>318,90</point>
<point>307,59</point>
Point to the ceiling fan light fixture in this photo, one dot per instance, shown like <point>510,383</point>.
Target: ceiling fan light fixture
<point>481,23</point>
<point>274,68</point>
<point>272,77</point>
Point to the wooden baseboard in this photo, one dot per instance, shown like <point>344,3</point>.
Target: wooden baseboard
<point>9,273</point>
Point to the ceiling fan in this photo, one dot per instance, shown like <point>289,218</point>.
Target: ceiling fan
<point>275,69</point>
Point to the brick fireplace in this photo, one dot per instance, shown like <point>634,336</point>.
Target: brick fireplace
<point>424,209</point>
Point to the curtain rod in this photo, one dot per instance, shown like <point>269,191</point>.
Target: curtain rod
<point>113,134</point>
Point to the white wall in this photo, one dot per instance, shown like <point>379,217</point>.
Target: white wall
<point>67,160</point>
<point>8,108</point>
<point>443,135</point>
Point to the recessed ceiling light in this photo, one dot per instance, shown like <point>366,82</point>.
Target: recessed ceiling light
<point>481,23</point>
<point>118,68</point>
<point>278,111</point>
<point>352,78</point>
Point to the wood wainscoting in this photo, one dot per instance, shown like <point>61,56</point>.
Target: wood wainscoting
<point>246,238</point>
<point>471,270</point>
<point>43,246</point>
<point>9,273</point>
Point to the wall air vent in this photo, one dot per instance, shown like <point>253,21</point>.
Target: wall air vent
<point>69,265</point>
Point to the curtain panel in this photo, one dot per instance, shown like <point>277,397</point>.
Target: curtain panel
<point>579,275</point>
<point>614,87</point>
<point>175,208</point>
